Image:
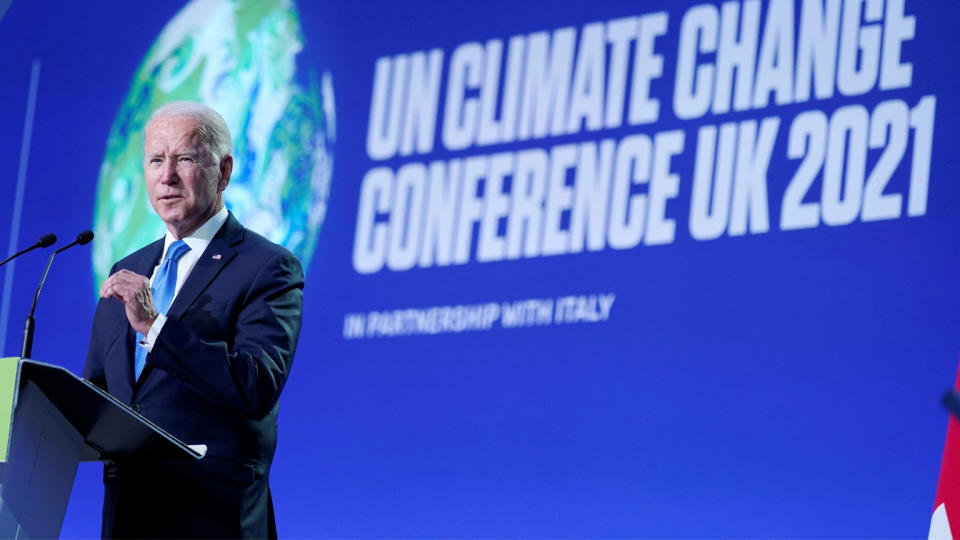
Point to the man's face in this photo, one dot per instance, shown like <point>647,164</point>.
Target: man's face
<point>183,180</point>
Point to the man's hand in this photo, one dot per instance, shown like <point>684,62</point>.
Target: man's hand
<point>134,291</point>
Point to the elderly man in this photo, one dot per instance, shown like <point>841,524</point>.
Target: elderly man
<point>196,332</point>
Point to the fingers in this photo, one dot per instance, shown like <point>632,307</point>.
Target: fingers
<point>133,290</point>
<point>123,285</point>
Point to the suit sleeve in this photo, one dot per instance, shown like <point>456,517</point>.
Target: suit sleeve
<point>93,369</point>
<point>247,370</point>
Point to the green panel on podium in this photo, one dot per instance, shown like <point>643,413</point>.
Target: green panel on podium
<point>8,386</point>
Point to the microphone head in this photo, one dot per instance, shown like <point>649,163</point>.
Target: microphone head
<point>48,240</point>
<point>85,237</point>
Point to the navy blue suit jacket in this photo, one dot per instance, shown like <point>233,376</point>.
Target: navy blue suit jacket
<point>213,377</point>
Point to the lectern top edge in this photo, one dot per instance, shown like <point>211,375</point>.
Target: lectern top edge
<point>110,428</point>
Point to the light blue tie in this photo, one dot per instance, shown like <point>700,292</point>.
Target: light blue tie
<point>164,285</point>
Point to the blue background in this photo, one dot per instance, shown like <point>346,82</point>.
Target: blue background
<point>783,384</point>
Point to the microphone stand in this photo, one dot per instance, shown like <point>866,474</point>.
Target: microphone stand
<point>26,346</point>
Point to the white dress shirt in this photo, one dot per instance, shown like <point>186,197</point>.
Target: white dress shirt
<point>198,241</point>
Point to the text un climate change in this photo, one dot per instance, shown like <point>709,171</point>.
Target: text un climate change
<point>414,212</point>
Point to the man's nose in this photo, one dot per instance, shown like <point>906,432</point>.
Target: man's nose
<point>169,173</point>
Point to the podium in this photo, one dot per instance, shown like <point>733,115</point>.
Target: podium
<point>50,420</point>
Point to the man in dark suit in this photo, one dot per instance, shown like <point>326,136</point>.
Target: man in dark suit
<point>197,333</point>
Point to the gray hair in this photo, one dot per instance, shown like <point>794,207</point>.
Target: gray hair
<point>212,129</point>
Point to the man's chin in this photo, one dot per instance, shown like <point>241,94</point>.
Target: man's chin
<point>173,221</point>
<point>171,217</point>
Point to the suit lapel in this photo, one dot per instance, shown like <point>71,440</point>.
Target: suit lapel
<point>218,254</point>
<point>150,257</point>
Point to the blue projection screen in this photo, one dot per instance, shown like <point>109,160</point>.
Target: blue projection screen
<point>604,269</point>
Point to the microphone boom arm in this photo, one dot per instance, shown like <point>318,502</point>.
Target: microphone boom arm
<point>26,346</point>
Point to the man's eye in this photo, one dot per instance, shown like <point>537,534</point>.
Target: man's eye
<point>186,159</point>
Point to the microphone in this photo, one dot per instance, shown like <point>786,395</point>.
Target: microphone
<point>27,345</point>
<point>46,240</point>
<point>83,238</point>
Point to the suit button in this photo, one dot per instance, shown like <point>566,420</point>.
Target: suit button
<point>135,407</point>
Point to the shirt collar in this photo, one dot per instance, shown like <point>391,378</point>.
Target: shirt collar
<point>199,239</point>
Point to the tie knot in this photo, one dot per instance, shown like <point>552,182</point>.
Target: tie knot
<point>176,250</point>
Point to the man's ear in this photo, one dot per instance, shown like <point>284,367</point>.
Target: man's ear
<point>226,168</point>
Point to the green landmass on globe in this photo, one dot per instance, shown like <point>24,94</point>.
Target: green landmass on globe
<point>238,57</point>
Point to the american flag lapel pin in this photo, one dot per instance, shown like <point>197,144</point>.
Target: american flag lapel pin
<point>217,257</point>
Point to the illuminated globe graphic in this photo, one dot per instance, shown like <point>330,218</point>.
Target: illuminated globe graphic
<point>237,56</point>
